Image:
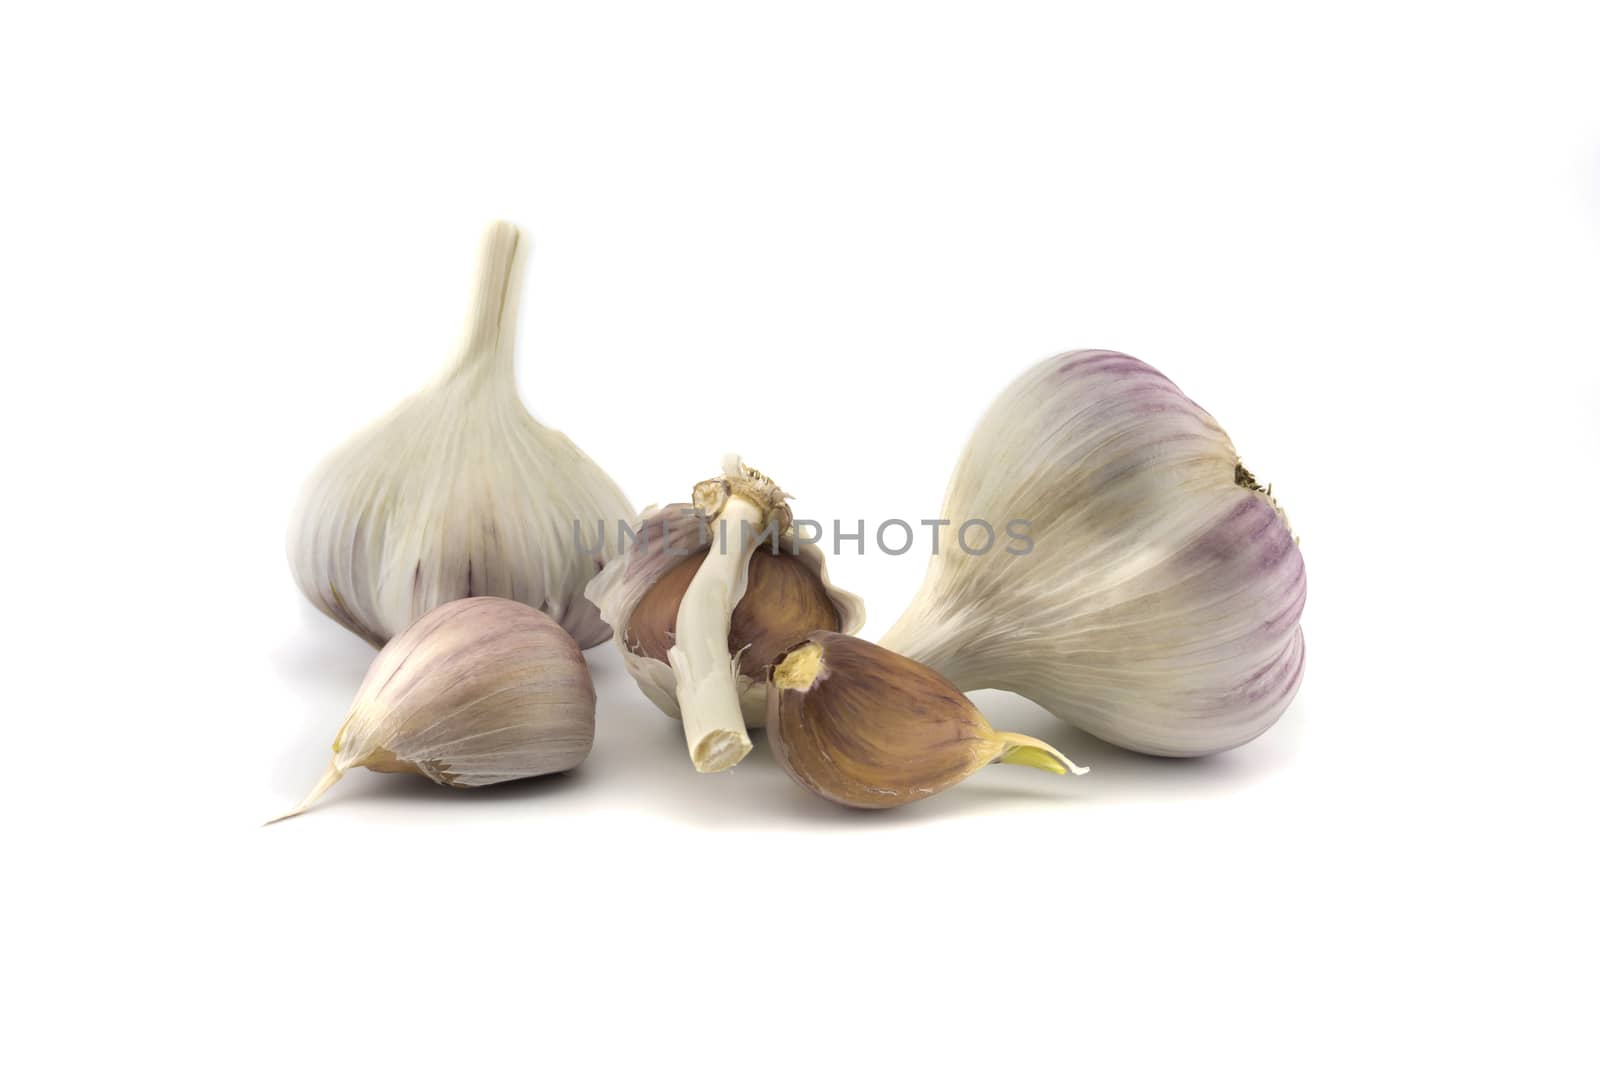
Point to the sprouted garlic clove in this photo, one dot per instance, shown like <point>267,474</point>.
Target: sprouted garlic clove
<point>862,726</point>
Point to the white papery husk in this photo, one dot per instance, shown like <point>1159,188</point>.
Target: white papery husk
<point>1159,607</point>
<point>459,492</point>
<point>619,588</point>
<point>477,692</point>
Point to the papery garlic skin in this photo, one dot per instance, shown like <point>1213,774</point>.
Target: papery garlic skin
<point>458,492</point>
<point>665,538</point>
<point>477,692</point>
<point>1159,607</point>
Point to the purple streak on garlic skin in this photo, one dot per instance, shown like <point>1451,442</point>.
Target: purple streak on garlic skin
<point>1160,606</point>
<point>515,687</point>
<point>475,692</point>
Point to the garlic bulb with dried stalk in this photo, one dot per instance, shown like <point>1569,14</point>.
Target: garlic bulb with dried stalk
<point>1159,605</point>
<point>458,492</point>
<point>706,595</point>
<point>863,726</point>
<point>476,692</point>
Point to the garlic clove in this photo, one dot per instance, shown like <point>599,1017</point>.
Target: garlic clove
<point>863,726</point>
<point>1159,605</point>
<point>756,603</point>
<point>784,599</point>
<point>476,692</point>
<point>459,492</point>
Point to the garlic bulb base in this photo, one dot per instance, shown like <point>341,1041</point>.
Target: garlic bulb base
<point>746,482</point>
<point>1245,479</point>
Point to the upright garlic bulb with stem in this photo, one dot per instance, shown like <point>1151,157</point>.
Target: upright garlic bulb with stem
<point>476,692</point>
<point>706,595</point>
<point>458,492</point>
<point>1159,607</point>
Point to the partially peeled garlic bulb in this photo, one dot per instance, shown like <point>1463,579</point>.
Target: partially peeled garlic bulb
<point>866,727</point>
<point>706,595</point>
<point>1159,607</point>
<point>477,692</point>
<point>459,492</point>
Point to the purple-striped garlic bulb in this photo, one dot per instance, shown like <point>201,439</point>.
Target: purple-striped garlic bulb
<point>478,691</point>
<point>1153,597</point>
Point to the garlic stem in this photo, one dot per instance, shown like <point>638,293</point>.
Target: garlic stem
<point>492,313</point>
<point>705,673</point>
<point>329,779</point>
<point>1025,750</point>
<point>943,643</point>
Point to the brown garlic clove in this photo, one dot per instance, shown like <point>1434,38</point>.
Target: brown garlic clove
<point>784,600</point>
<point>866,727</point>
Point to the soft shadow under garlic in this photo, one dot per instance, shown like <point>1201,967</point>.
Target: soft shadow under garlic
<point>418,792</point>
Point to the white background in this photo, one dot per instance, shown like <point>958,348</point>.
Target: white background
<point>1365,236</point>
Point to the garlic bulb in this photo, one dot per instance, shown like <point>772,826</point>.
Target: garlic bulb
<point>458,492</point>
<point>701,603</point>
<point>866,727</point>
<point>1159,605</point>
<point>477,692</point>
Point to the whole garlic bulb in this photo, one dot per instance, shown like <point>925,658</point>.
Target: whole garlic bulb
<point>476,692</point>
<point>700,606</point>
<point>1159,607</point>
<point>459,492</point>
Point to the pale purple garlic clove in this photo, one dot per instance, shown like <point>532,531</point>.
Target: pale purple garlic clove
<point>476,692</point>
